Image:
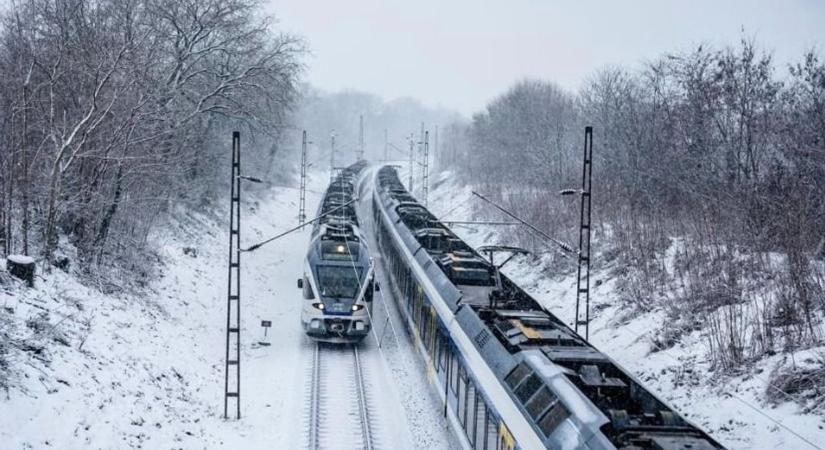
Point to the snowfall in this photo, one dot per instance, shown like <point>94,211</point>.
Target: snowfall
<point>113,371</point>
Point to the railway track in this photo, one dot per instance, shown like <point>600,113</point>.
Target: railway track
<point>339,414</point>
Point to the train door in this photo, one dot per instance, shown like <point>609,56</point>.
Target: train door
<point>505,439</point>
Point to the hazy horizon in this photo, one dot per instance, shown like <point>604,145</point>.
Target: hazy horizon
<point>442,53</point>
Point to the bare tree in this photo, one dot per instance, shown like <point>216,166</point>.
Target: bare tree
<point>123,101</point>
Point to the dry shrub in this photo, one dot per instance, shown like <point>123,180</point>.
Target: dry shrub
<point>806,385</point>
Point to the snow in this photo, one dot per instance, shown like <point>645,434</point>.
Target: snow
<point>92,370</point>
<point>20,259</point>
<point>732,409</point>
<point>147,370</point>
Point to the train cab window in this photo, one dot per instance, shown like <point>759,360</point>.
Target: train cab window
<point>528,387</point>
<point>516,375</point>
<point>307,288</point>
<point>539,402</point>
<point>339,281</point>
<point>553,418</point>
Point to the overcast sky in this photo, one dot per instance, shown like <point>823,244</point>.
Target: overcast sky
<point>461,53</point>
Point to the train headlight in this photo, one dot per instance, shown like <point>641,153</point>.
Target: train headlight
<point>357,307</point>
<point>339,249</point>
<point>318,306</point>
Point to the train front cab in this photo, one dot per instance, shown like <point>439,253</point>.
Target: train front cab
<point>340,326</point>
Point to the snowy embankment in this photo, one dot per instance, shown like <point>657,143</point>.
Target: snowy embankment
<point>146,370</point>
<point>94,370</point>
<point>734,410</point>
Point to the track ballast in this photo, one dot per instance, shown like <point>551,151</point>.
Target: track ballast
<point>339,412</point>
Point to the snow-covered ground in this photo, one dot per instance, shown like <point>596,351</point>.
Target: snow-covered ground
<point>733,410</point>
<point>94,370</point>
<point>127,371</point>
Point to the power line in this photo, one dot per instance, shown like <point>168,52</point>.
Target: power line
<point>262,243</point>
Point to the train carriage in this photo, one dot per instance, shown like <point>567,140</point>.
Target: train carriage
<point>510,374</point>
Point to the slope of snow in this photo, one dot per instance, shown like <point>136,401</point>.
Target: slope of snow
<point>147,371</point>
<point>732,409</point>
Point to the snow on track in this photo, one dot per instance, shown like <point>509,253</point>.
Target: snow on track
<point>277,378</point>
<point>339,414</point>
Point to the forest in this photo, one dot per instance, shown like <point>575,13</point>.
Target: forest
<point>113,113</point>
<point>708,188</point>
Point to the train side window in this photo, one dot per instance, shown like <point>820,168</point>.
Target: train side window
<point>469,410</point>
<point>405,281</point>
<point>516,375</point>
<point>436,345</point>
<point>411,289</point>
<point>308,294</point>
<point>462,396</point>
<point>528,387</point>
<point>420,319</point>
<point>416,310</point>
<point>425,325</point>
<point>553,418</point>
<point>539,402</point>
<point>433,337</point>
<point>454,372</point>
<point>492,432</point>
<point>445,355</point>
<point>481,423</point>
<point>442,356</point>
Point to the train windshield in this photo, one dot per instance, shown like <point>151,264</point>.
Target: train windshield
<point>339,281</point>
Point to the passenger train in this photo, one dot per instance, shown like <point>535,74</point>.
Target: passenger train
<point>511,374</point>
<point>337,283</point>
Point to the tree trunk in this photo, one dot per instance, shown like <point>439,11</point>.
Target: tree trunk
<point>50,230</point>
<point>7,223</point>
<point>24,187</point>
<point>3,209</point>
<point>106,222</point>
<point>24,182</point>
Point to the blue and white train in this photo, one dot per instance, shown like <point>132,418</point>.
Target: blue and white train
<point>337,283</point>
<point>511,374</point>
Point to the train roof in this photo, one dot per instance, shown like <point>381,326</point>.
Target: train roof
<point>338,221</point>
